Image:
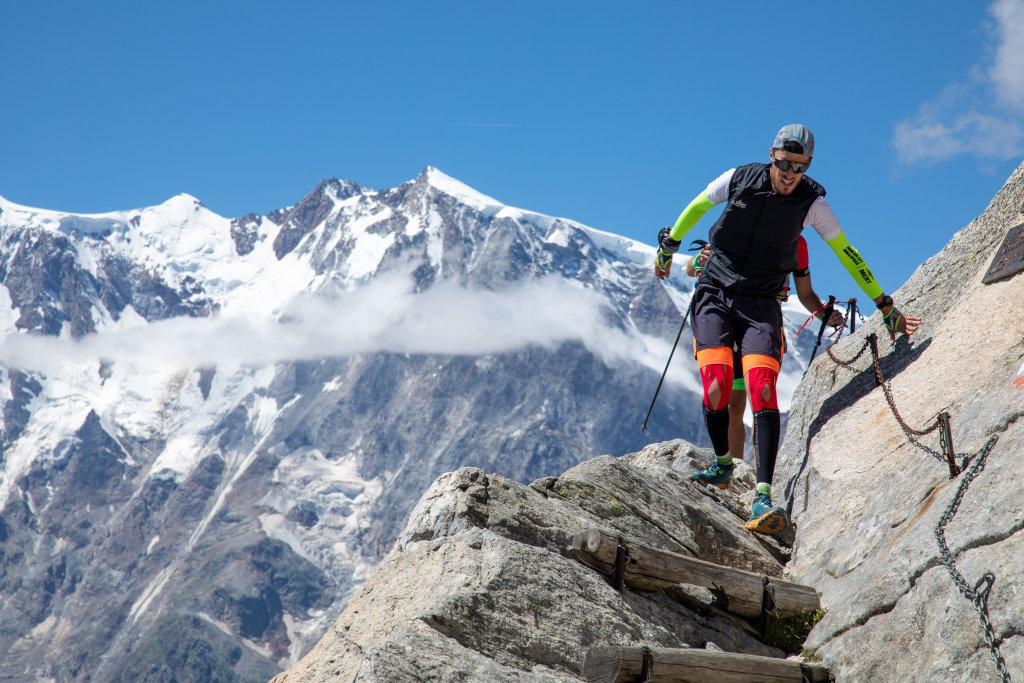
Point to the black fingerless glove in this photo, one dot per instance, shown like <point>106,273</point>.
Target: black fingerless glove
<point>666,246</point>
<point>892,320</point>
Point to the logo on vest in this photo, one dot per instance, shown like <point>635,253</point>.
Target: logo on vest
<point>739,204</point>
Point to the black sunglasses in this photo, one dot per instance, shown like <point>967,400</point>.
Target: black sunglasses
<point>785,165</point>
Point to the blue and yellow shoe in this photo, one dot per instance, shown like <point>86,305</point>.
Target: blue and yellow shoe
<point>716,475</point>
<point>765,519</point>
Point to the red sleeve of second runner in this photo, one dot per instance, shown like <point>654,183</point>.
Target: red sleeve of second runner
<point>802,260</point>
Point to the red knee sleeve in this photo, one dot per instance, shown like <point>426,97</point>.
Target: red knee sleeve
<point>723,375</point>
<point>758,378</point>
<point>716,365</point>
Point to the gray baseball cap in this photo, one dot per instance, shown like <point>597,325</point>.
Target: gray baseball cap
<point>799,134</point>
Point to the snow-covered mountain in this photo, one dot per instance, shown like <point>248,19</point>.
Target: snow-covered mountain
<point>213,428</point>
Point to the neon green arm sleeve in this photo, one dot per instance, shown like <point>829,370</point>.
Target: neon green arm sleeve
<point>690,215</point>
<point>855,265</point>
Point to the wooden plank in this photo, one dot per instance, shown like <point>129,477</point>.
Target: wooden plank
<point>649,568</point>
<point>610,664</point>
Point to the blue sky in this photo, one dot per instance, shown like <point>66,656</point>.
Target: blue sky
<point>613,114</point>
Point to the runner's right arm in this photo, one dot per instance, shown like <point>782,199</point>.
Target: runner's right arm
<point>670,237</point>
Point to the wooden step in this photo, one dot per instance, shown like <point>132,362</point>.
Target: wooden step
<point>647,568</point>
<point>609,664</point>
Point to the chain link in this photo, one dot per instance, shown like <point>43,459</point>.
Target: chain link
<point>846,363</point>
<point>887,390</point>
<point>978,595</point>
<point>872,343</point>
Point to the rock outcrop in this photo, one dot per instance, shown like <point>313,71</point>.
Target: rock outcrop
<point>482,584</point>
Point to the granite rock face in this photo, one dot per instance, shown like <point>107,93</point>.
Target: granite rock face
<point>869,500</point>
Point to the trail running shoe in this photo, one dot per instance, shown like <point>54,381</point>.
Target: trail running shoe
<point>765,519</point>
<point>716,475</point>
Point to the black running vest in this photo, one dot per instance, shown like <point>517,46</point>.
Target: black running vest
<point>753,243</point>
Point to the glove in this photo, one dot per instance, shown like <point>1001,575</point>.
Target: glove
<point>667,245</point>
<point>666,248</point>
<point>891,320</point>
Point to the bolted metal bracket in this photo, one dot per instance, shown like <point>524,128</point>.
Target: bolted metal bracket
<point>767,605</point>
<point>946,439</point>
<point>618,575</point>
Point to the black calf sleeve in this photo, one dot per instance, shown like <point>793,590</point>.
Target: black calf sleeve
<point>717,422</point>
<point>767,429</point>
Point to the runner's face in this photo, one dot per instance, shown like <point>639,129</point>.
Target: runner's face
<point>784,182</point>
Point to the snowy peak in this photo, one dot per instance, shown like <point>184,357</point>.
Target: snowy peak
<point>552,230</point>
<point>311,211</point>
<point>182,200</point>
<point>458,190</point>
<point>338,190</point>
<point>19,214</point>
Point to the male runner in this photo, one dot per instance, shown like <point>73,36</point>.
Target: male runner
<point>753,250</point>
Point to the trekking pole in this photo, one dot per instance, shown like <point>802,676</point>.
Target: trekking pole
<point>851,310</point>
<point>643,427</point>
<point>825,314</point>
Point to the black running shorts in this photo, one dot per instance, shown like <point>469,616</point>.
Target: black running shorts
<point>722,319</point>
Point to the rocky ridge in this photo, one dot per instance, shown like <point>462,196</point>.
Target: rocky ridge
<point>868,500</point>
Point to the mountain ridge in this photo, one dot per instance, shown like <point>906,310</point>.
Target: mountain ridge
<point>268,409</point>
<point>912,540</point>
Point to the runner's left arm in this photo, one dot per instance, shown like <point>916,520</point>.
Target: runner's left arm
<point>856,266</point>
<point>827,225</point>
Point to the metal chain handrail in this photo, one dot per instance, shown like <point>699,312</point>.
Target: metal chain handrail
<point>847,363</point>
<point>979,594</point>
<point>872,343</point>
<point>887,390</point>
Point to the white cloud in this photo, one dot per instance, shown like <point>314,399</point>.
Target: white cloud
<point>1007,71</point>
<point>383,315</point>
<point>983,116</point>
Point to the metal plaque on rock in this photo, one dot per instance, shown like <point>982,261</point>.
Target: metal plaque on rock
<point>1009,260</point>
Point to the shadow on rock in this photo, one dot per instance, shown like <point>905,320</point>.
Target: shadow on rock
<point>901,355</point>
